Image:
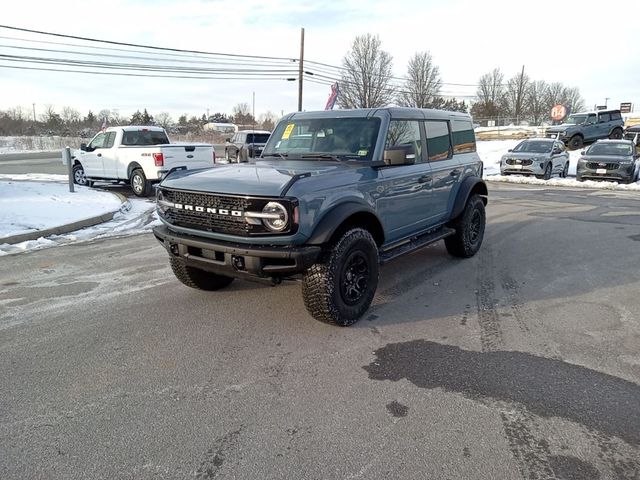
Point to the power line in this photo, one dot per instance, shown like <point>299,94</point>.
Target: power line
<point>125,44</point>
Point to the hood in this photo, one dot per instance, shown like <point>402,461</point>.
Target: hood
<point>633,129</point>
<point>525,155</point>
<point>560,128</point>
<point>263,178</point>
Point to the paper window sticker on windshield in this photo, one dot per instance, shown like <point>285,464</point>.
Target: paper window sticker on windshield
<point>287,131</point>
<point>321,134</point>
<point>363,153</point>
<point>278,144</point>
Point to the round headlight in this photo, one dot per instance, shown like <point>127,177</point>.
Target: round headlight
<point>278,218</point>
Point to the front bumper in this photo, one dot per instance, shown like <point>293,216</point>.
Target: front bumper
<point>622,174</point>
<point>533,169</point>
<point>236,259</point>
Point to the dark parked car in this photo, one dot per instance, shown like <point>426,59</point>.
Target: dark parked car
<point>588,126</point>
<point>633,134</point>
<point>542,157</point>
<point>609,160</point>
<point>245,144</point>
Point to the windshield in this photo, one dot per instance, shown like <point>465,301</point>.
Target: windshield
<point>620,149</point>
<point>257,137</point>
<point>576,119</point>
<point>533,147</point>
<point>144,137</point>
<point>348,137</point>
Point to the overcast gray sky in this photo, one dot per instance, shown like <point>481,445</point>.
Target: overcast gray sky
<point>586,44</point>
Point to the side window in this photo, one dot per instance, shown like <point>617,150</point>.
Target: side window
<point>405,133</point>
<point>438,140</point>
<point>111,138</point>
<point>591,119</point>
<point>98,141</point>
<point>616,116</point>
<point>559,146</point>
<point>604,117</point>
<point>464,139</point>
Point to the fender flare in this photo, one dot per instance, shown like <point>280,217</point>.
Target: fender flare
<point>335,217</point>
<point>131,167</point>
<point>468,185</point>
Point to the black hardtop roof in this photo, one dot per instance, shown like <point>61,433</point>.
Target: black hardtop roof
<point>394,112</point>
<point>608,110</point>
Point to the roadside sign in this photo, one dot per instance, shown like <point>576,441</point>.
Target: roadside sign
<point>625,107</point>
<point>558,112</point>
<point>601,107</point>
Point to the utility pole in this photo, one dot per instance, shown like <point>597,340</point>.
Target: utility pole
<point>34,112</point>
<point>301,69</point>
<point>253,114</point>
<point>606,101</point>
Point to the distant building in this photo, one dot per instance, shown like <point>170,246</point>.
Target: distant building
<point>220,127</point>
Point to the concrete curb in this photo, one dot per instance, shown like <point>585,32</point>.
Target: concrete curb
<point>69,227</point>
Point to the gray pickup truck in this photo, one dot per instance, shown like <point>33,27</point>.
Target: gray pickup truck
<point>334,195</point>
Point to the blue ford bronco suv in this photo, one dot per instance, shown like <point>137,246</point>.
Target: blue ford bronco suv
<point>334,195</point>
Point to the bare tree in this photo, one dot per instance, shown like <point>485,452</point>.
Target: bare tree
<point>490,95</point>
<point>164,120</point>
<point>116,118</point>
<point>515,95</point>
<point>536,107</point>
<point>423,82</point>
<point>70,115</point>
<point>366,81</point>
<point>242,114</point>
<point>569,97</point>
<point>268,120</point>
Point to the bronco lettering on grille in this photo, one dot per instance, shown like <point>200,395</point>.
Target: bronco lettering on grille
<point>216,211</point>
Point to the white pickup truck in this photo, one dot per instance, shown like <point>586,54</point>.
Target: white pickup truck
<point>140,156</point>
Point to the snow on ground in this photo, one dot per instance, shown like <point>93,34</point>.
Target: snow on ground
<point>26,205</point>
<point>30,144</point>
<point>564,182</point>
<point>30,206</point>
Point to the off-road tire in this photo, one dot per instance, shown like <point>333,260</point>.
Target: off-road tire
<point>139,184</point>
<point>339,288</point>
<point>196,278</point>
<point>79,177</point>
<point>616,134</point>
<point>469,226</point>
<point>575,142</point>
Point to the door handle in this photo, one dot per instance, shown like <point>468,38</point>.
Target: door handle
<point>424,179</point>
<point>454,173</point>
<point>99,155</point>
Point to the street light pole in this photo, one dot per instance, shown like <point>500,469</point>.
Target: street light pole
<point>301,69</point>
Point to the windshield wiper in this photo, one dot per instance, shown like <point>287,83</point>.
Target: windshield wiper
<point>275,154</point>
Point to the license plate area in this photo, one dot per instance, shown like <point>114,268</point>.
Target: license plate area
<point>601,171</point>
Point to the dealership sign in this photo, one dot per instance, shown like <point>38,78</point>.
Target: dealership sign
<point>558,112</point>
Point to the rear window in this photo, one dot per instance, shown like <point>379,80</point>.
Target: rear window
<point>144,137</point>
<point>257,137</point>
<point>464,139</point>
<point>616,116</point>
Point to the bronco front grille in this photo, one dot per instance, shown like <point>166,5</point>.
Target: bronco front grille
<point>217,213</point>
<point>199,220</point>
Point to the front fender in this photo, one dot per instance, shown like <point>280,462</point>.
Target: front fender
<point>330,222</point>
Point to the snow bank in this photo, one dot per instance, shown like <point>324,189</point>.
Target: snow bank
<point>30,206</point>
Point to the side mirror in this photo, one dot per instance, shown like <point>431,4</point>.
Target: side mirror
<point>228,140</point>
<point>583,152</point>
<point>510,150</point>
<point>401,155</point>
<point>83,147</point>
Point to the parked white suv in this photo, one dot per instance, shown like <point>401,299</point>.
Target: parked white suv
<point>138,155</point>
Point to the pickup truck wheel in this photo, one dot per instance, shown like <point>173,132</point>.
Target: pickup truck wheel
<point>469,228</point>
<point>79,177</point>
<point>340,287</point>
<point>196,278</point>
<point>139,184</point>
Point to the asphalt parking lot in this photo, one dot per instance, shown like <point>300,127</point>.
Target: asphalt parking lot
<point>522,362</point>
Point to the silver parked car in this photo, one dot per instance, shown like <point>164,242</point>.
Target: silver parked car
<point>542,157</point>
<point>609,160</point>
